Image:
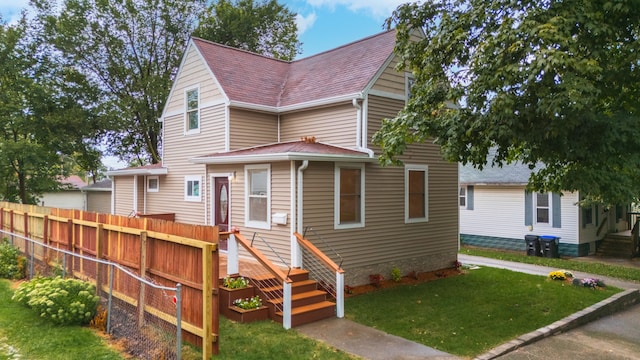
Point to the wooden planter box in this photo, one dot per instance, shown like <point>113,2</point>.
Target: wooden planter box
<point>227,296</point>
<point>246,316</point>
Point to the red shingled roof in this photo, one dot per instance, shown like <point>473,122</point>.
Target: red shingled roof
<point>256,79</point>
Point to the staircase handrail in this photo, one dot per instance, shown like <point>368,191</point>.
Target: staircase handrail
<point>308,228</point>
<point>263,260</point>
<point>318,254</point>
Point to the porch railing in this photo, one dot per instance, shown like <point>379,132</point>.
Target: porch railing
<point>323,269</point>
<point>263,266</point>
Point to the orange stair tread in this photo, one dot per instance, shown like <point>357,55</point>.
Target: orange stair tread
<point>307,308</point>
<point>299,296</point>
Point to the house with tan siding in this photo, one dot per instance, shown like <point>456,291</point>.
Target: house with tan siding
<point>275,147</point>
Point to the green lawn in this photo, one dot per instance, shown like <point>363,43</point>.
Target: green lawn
<point>469,314</point>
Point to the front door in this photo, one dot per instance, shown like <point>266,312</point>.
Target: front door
<point>221,199</point>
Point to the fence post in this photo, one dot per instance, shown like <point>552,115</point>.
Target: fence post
<point>45,238</point>
<point>179,321</point>
<point>25,220</point>
<point>207,301</point>
<point>99,256</point>
<point>11,227</point>
<point>143,274</point>
<point>70,246</point>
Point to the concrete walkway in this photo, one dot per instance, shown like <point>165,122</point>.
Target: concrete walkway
<point>373,344</point>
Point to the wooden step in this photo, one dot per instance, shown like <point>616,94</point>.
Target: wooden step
<point>309,313</point>
<point>296,288</point>
<point>301,299</point>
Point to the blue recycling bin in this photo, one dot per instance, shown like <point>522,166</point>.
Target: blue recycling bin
<point>549,246</point>
<point>532,244</point>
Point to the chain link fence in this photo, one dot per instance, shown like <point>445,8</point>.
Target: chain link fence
<point>147,326</point>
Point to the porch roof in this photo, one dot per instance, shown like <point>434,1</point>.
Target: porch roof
<point>152,169</point>
<point>294,150</point>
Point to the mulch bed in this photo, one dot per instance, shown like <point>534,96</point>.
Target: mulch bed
<point>410,279</point>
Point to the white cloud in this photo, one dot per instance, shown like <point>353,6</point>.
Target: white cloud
<point>305,22</point>
<point>377,8</point>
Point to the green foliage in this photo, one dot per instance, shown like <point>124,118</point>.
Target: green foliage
<point>396,275</point>
<point>551,82</point>
<point>262,26</point>
<point>248,303</point>
<point>63,301</point>
<point>12,264</point>
<point>235,282</point>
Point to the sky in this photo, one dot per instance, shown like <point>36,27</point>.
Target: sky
<point>322,24</point>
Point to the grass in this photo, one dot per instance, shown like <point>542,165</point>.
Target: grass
<point>615,271</point>
<point>469,314</point>
<point>24,335</point>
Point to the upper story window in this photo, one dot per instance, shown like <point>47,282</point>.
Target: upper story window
<point>416,193</point>
<point>349,196</point>
<point>542,208</point>
<point>192,186</point>
<point>409,80</point>
<point>153,184</point>
<point>258,196</point>
<point>192,101</point>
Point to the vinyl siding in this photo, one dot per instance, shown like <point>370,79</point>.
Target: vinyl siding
<point>99,201</point>
<point>391,81</point>
<point>248,129</point>
<point>123,188</point>
<point>498,211</point>
<point>193,72</point>
<point>333,125</point>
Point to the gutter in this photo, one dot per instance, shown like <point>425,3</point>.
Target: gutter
<point>296,253</point>
<point>360,129</point>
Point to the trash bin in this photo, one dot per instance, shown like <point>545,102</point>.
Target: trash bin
<point>532,245</point>
<point>549,246</point>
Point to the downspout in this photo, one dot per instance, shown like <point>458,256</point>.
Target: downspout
<point>360,138</point>
<point>296,254</point>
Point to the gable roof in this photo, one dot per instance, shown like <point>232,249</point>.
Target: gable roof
<point>102,185</point>
<point>151,169</point>
<point>73,182</point>
<point>294,150</point>
<point>251,78</point>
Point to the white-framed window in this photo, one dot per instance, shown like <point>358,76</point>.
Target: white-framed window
<point>258,196</point>
<point>462,197</point>
<point>587,216</point>
<point>348,196</point>
<point>192,188</point>
<point>409,80</point>
<point>192,110</point>
<point>416,194</point>
<point>543,208</point>
<point>153,184</point>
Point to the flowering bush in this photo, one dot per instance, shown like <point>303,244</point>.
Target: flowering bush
<point>560,275</point>
<point>235,283</point>
<point>589,282</point>
<point>248,303</point>
<point>12,264</point>
<point>63,301</point>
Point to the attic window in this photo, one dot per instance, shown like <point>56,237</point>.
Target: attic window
<point>409,80</point>
<point>192,100</point>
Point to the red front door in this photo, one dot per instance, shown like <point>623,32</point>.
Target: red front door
<point>221,210</point>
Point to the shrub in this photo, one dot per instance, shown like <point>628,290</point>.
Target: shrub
<point>235,283</point>
<point>376,280</point>
<point>396,275</point>
<point>63,301</point>
<point>12,264</point>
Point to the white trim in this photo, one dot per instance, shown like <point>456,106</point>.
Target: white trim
<point>234,159</point>
<point>187,90</point>
<point>379,73</point>
<point>407,169</point>
<point>336,197</point>
<point>247,191</point>
<point>193,178</point>
<point>157,179</point>
<point>138,171</point>
<point>298,106</point>
<point>387,94</point>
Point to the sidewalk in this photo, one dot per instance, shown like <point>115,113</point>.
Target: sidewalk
<point>373,344</point>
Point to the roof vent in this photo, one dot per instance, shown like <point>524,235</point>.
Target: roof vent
<point>308,139</point>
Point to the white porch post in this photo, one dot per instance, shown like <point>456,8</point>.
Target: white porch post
<point>286,306</point>
<point>339,294</point>
<point>232,255</point>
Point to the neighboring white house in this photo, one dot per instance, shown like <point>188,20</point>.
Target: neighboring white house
<point>496,211</point>
<point>70,197</point>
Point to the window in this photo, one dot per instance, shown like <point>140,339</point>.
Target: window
<point>416,199</point>
<point>153,184</point>
<point>349,196</point>
<point>258,199</point>
<point>192,188</point>
<point>193,111</point>
<point>587,216</point>
<point>463,196</point>
<point>409,80</point>
<point>542,208</point>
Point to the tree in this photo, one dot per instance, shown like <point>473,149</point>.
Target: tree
<point>556,82</point>
<point>42,120</point>
<point>264,27</point>
<point>129,51</point>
